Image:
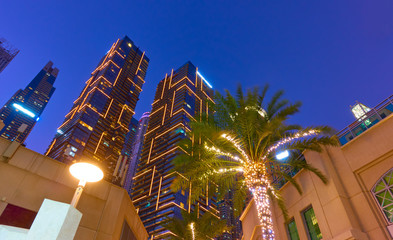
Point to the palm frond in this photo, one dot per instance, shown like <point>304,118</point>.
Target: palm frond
<point>240,193</point>
<point>258,129</point>
<point>289,178</point>
<point>206,227</point>
<point>280,202</point>
<point>302,164</point>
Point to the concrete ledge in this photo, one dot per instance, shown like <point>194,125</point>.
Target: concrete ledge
<point>8,232</point>
<point>29,177</point>
<point>352,234</point>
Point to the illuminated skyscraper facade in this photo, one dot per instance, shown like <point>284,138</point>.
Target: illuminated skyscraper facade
<point>181,96</point>
<point>26,106</point>
<point>7,53</point>
<point>97,124</point>
<point>137,144</point>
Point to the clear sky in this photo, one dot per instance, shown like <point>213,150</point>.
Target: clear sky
<point>327,54</point>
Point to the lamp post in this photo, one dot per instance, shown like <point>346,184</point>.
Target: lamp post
<point>85,172</point>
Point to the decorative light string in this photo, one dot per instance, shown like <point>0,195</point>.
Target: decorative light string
<point>256,177</point>
<point>257,181</point>
<point>264,213</point>
<point>260,110</point>
<point>221,153</point>
<point>192,230</point>
<point>224,170</point>
<point>290,139</point>
<point>237,146</point>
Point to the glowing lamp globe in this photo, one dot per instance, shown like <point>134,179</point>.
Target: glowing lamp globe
<point>282,155</point>
<point>86,172</point>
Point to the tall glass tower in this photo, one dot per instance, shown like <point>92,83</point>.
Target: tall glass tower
<point>181,96</point>
<point>226,208</point>
<point>124,159</point>
<point>137,144</point>
<point>7,53</point>
<point>26,106</point>
<point>129,140</point>
<point>97,124</point>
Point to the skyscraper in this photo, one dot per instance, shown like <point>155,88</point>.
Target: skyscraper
<point>26,106</point>
<point>181,96</point>
<point>136,150</point>
<point>129,140</point>
<point>124,159</point>
<point>225,207</point>
<point>7,53</point>
<point>97,124</point>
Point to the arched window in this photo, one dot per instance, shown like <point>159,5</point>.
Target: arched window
<point>383,194</point>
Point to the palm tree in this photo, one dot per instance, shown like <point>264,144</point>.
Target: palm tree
<point>192,227</point>
<point>235,148</point>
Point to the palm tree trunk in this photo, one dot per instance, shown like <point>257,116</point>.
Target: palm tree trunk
<point>258,183</point>
<point>262,202</point>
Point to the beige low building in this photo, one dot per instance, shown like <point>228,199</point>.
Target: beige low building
<point>27,178</point>
<point>357,203</point>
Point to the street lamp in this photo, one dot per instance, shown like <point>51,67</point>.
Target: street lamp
<point>282,155</point>
<point>85,172</point>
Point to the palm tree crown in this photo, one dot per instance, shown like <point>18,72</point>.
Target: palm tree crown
<point>191,226</point>
<point>235,147</point>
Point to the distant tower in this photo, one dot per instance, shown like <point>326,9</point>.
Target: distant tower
<point>124,158</point>
<point>7,53</point>
<point>129,140</point>
<point>226,208</point>
<point>26,106</point>
<point>181,96</point>
<point>97,124</point>
<point>136,151</point>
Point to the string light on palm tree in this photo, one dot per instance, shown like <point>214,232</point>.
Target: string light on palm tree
<point>192,230</point>
<point>256,176</point>
<point>191,226</point>
<point>240,148</point>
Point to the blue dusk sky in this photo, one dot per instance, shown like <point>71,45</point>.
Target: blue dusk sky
<point>327,54</point>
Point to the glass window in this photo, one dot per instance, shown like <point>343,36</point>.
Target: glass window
<point>312,224</point>
<point>383,194</point>
<point>292,230</point>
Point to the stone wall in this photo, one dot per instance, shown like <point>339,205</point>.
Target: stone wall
<point>28,177</point>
